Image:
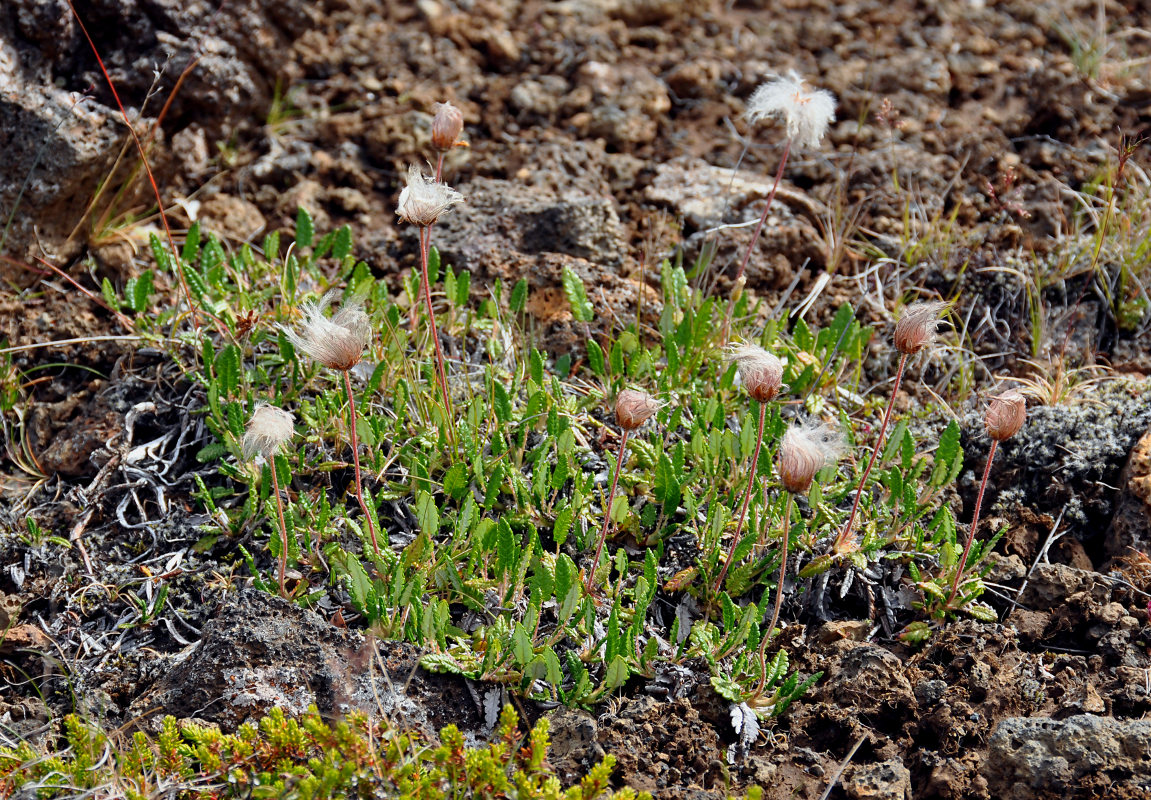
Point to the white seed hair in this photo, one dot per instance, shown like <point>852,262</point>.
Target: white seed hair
<point>423,201</point>
<point>818,437</point>
<point>338,341</point>
<point>269,429</point>
<point>807,112</point>
<point>808,447</point>
<point>760,372</point>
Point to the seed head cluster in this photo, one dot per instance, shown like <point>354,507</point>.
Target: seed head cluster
<point>805,450</point>
<point>269,429</point>
<point>423,201</point>
<point>760,372</point>
<point>633,408</point>
<point>917,327</point>
<point>338,341</point>
<point>1005,415</point>
<point>807,112</point>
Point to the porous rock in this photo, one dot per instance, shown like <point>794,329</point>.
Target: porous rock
<point>887,780</point>
<point>60,129</point>
<point>1131,526</point>
<point>1080,756</point>
<point>512,230</point>
<point>259,651</point>
<point>872,680</point>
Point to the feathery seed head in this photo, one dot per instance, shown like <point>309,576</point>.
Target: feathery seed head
<point>268,430</point>
<point>447,125</point>
<point>338,341</point>
<point>807,112</point>
<point>759,371</point>
<point>1005,415</point>
<point>633,408</point>
<point>804,451</point>
<point>916,328</point>
<point>423,201</point>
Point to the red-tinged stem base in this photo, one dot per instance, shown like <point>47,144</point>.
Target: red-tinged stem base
<point>283,528</point>
<point>844,536</point>
<point>974,524</point>
<point>746,497</point>
<point>356,462</point>
<point>755,237</point>
<point>425,246</point>
<point>607,513</point>
<point>770,629</point>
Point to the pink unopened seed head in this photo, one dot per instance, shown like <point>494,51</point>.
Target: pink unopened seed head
<point>269,429</point>
<point>760,372</point>
<point>423,201</point>
<point>447,125</point>
<point>338,341</point>
<point>804,451</point>
<point>1005,415</point>
<point>633,408</point>
<point>807,112</point>
<point>917,327</point>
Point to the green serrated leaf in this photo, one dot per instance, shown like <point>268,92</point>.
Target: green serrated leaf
<point>191,251</point>
<point>211,452</point>
<point>342,243</point>
<point>159,253</point>
<point>305,228</point>
<point>595,358</point>
<point>577,296</point>
<point>502,404</point>
<point>456,481</point>
<point>443,664</point>
<point>140,292</point>
<point>427,513</point>
<point>617,673</point>
<point>227,367</point>
<point>519,296</point>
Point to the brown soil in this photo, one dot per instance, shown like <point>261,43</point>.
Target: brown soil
<point>602,117</point>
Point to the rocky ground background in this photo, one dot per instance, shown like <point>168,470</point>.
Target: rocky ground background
<point>602,137</point>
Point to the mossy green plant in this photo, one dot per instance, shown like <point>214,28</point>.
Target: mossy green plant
<point>305,759</point>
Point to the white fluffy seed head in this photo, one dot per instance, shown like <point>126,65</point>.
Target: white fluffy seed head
<point>338,341</point>
<point>269,429</point>
<point>805,450</point>
<point>760,372</point>
<point>423,201</point>
<point>807,112</point>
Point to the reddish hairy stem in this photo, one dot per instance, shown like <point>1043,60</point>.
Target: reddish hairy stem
<point>974,525</point>
<point>841,540</point>
<point>607,511</point>
<point>425,245</point>
<point>778,600</point>
<point>755,236</point>
<point>283,528</point>
<point>356,462</point>
<point>746,498</point>
<point>151,178</point>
